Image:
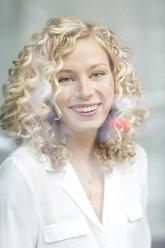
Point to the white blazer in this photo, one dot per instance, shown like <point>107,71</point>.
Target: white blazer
<point>41,208</point>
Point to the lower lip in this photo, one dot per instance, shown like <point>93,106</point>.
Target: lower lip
<point>90,113</point>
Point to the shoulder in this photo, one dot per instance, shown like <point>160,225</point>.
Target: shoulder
<point>137,168</point>
<point>20,163</point>
<point>16,182</point>
<point>23,153</point>
<point>140,155</point>
<point>140,162</point>
<point>133,177</point>
<point>23,178</point>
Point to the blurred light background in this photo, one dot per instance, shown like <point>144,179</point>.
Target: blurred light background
<point>140,25</point>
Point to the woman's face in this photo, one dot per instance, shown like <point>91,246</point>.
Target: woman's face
<point>87,88</point>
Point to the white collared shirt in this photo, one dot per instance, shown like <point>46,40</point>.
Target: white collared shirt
<point>41,208</point>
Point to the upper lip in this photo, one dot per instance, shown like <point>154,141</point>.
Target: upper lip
<point>84,105</point>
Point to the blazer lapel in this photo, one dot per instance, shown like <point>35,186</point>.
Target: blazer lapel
<point>72,186</point>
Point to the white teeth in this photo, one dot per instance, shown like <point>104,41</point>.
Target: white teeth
<point>86,109</point>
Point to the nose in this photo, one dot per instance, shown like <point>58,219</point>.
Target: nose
<point>85,88</point>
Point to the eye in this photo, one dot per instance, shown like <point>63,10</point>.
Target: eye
<point>97,74</point>
<point>65,79</point>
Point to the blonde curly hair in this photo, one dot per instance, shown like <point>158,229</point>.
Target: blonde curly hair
<point>30,111</point>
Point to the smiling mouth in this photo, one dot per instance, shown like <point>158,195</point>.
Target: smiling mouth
<point>86,108</point>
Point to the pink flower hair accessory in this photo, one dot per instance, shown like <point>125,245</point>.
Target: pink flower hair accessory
<point>120,124</point>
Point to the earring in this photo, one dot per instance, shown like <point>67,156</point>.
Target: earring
<point>120,124</point>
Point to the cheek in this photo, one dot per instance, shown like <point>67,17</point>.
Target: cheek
<point>108,91</point>
<point>63,98</point>
<point>108,96</point>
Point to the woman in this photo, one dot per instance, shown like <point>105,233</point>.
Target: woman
<point>77,179</point>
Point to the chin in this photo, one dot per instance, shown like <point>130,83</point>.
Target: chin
<point>88,129</point>
<point>82,127</point>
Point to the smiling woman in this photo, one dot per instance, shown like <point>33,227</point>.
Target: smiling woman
<point>73,103</point>
<point>87,88</point>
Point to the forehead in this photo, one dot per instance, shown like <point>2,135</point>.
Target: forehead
<point>86,49</point>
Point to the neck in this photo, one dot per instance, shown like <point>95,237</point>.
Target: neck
<point>82,148</point>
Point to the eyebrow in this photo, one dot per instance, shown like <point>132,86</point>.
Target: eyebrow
<point>95,65</point>
<point>71,71</point>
